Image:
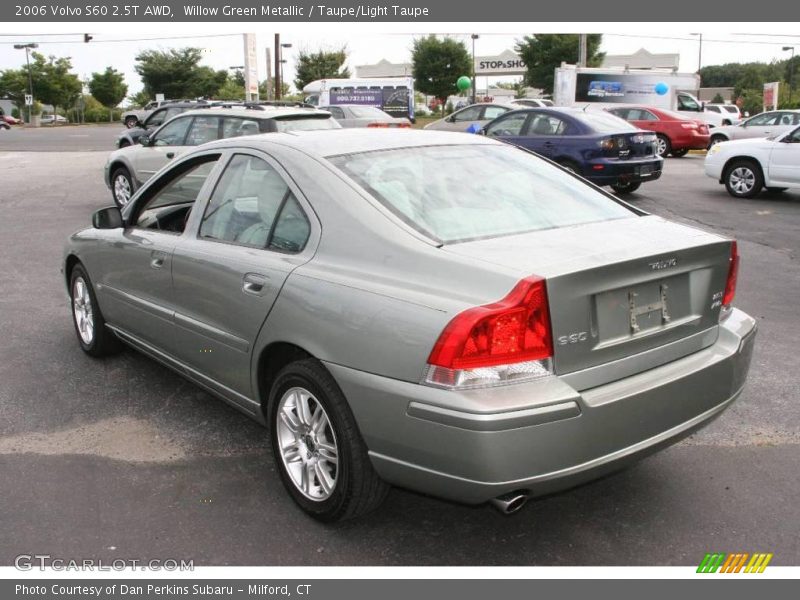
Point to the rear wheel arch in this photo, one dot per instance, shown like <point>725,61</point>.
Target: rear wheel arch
<point>271,360</point>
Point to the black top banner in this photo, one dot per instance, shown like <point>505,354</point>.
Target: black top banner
<point>460,11</point>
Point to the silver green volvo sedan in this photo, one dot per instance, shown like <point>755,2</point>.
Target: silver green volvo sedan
<point>431,310</point>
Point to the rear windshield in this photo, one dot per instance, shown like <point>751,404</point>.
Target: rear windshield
<point>464,192</point>
<point>604,122</point>
<point>305,123</point>
<point>367,111</point>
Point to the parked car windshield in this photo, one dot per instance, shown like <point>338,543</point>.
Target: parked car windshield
<point>306,123</point>
<point>603,122</point>
<point>463,192</point>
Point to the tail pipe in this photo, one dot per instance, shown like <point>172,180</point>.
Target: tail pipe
<point>510,503</point>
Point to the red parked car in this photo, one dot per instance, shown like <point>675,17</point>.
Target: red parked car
<point>677,134</point>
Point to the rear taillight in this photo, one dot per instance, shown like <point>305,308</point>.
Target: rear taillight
<point>733,275</point>
<point>377,124</point>
<point>503,342</point>
<point>689,125</point>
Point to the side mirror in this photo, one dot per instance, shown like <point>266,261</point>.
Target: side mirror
<point>451,119</point>
<point>107,218</point>
<point>144,140</point>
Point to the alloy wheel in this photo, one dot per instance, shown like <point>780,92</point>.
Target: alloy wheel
<point>82,309</point>
<point>122,189</point>
<point>307,444</point>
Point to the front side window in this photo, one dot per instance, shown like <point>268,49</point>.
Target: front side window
<point>511,191</point>
<point>157,118</point>
<point>253,206</point>
<point>173,133</point>
<point>471,113</point>
<point>714,109</point>
<point>168,209</point>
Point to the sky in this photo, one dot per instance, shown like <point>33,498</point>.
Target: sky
<point>117,44</point>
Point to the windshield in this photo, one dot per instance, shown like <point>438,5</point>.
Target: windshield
<point>509,191</point>
<point>367,111</point>
<point>306,123</point>
<point>604,122</point>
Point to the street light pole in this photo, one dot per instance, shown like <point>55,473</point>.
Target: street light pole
<point>27,48</point>
<point>791,72</point>
<point>475,36</point>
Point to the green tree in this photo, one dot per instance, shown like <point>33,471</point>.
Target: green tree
<point>266,91</point>
<point>140,98</point>
<point>320,65</point>
<point>542,53</point>
<point>109,89</point>
<point>437,65</point>
<point>176,73</point>
<point>718,99</point>
<point>14,86</point>
<point>231,90</point>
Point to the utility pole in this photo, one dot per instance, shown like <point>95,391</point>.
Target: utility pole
<point>277,66</point>
<point>699,51</point>
<point>27,48</point>
<point>791,72</point>
<point>582,51</point>
<point>475,36</point>
<point>270,95</point>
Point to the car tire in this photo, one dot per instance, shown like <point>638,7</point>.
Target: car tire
<point>626,188</point>
<point>679,153</point>
<point>716,139</point>
<point>776,190</point>
<point>570,166</point>
<point>121,186</point>
<point>663,145</point>
<point>321,457</point>
<point>743,179</point>
<point>124,143</point>
<point>93,336</point>
<point>131,122</point>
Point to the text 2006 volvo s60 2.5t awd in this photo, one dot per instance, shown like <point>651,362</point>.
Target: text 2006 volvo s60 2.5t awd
<point>432,310</point>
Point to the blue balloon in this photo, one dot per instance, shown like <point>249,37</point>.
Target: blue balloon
<point>661,88</point>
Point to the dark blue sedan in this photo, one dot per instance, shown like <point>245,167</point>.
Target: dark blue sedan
<point>600,147</point>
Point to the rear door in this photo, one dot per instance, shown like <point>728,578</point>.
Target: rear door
<point>759,126</point>
<point>545,133</point>
<point>255,229</point>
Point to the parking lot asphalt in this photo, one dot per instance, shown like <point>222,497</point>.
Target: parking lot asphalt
<point>121,458</point>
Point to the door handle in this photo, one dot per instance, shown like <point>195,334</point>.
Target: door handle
<point>170,155</point>
<point>157,259</point>
<point>254,284</point>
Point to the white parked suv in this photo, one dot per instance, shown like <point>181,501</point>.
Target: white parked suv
<point>747,166</point>
<point>720,115</point>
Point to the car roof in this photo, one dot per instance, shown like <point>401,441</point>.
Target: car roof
<point>332,142</point>
<point>266,112</point>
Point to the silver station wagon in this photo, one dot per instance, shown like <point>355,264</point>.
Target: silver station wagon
<point>437,311</point>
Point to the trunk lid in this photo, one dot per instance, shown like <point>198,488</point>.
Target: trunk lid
<point>634,145</point>
<point>640,288</point>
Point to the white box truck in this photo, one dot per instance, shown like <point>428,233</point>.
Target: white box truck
<point>394,95</point>
<point>578,86</point>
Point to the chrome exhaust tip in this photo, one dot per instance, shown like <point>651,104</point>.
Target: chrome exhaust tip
<point>509,503</point>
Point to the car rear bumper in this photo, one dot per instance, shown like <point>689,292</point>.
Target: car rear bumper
<point>609,172</point>
<point>693,140</point>
<point>544,436</point>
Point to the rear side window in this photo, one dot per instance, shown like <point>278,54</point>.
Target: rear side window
<point>204,129</point>
<point>305,123</point>
<point>510,191</point>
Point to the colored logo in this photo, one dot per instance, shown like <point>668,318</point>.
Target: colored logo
<point>661,88</point>
<point>739,562</point>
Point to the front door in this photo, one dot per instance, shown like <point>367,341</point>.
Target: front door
<point>251,235</point>
<point>136,290</point>
<point>784,161</point>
